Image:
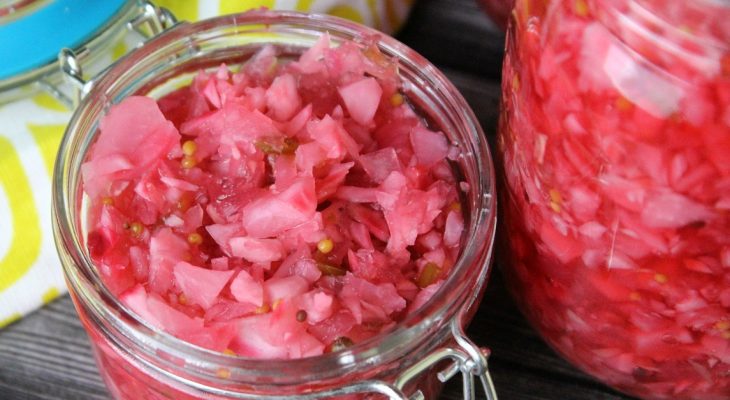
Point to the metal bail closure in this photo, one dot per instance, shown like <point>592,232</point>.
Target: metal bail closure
<point>74,75</point>
<point>156,19</point>
<point>149,22</point>
<point>466,357</point>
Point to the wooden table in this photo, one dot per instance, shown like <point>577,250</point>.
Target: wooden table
<point>47,355</point>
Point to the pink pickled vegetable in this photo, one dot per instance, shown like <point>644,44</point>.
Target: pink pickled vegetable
<point>277,210</point>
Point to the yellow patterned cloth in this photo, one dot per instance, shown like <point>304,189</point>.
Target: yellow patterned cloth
<point>384,15</point>
<point>31,130</point>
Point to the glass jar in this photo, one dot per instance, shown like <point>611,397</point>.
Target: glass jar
<point>140,362</point>
<point>615,148</point>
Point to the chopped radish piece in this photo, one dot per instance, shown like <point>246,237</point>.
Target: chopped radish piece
<point>135,135</point>
<point>257,250</point>
<point>361,99</point>
<point>273,214</point>
<point>170,319</point>
<point>284,288</point>
<point>430,147</point>
<point>246,289</point>
<point>282,97</point>
<point>379,164</point>
<point>201,286</point>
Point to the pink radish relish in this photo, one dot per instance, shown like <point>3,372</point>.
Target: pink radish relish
<point>289,209</point>
<point>615,142</point>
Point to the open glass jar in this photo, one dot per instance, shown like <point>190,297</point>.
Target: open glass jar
<point>615,142</point>
<point>141,362</point>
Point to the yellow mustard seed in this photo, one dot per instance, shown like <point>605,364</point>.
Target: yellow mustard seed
<point>661,278</point>
<point>184,202</point>
<point>581,8</point>
<point>301,316</point>
<point>263,309</point>
<point>515,83</point>
<point>556,200</point>
<point>107,201</point>
<point>188,162</point>
<point>182,299</point>
<point>195,238</point>
<point>623,104</point>
<point>136,228</point>
<point>229,352</point>
<point>276,304</point>
<point>223,373</point>
<point>555,196</point>
<point>189,147</point>
<point>429,275</point>
<point>635,296</point>
<point>455,206</point>
<point>325,245</point>
<point>686,29</point>
<point>396,99</point>
<point>722,325</point>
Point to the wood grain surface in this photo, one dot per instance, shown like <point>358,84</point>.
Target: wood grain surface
<point>47,356</point>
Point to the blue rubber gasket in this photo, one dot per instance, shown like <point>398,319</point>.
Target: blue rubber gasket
<point>35,39</point>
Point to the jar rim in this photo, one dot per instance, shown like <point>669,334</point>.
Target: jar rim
<point>469,272</point>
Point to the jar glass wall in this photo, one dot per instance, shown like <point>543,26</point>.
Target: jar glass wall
<point>615,147</point>
<point>138,361</point>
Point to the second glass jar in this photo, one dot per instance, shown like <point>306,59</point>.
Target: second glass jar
<point>615,148</point>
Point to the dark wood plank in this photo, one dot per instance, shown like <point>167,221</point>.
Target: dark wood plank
<point>523,366</point>
<point>455,34</point>
<point>46,355</point>
<point>481,94</point>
